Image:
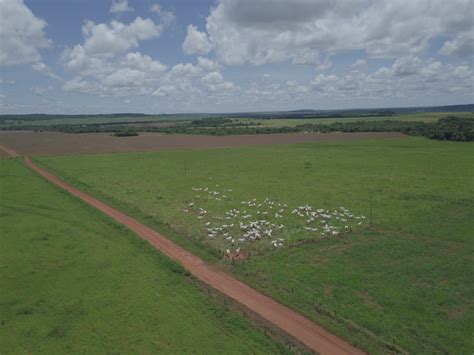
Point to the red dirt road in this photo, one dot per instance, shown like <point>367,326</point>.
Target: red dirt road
<point>7,152</point>
<point>292,323</point>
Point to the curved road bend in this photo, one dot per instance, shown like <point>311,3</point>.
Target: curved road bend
<point>313,336</point>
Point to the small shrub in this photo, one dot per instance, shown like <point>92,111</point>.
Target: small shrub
<point>126,134</point>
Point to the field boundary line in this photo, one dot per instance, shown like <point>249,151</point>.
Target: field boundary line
<point>297,326</point>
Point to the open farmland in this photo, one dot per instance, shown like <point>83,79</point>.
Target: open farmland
<point>73,281</point>
<point>407,117</point>
<point>400,281</point>
<point>44,143</point>
<point>84,120</point>
<point>231,123</point>
<point>237,177</point>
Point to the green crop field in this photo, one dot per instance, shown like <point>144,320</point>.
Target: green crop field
<point>72,281</point>
<point>408,117</point>
<point>81,120</point>
<point>399,280</point>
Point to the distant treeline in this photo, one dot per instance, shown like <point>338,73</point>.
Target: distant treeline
<point>306,113</point>
<point>450,128</point>
<point>44,116</point>
<point>211,122</point>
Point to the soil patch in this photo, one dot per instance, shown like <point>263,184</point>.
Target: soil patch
<point>28,143</point>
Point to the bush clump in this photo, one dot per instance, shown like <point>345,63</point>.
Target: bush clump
<point>126,134</point>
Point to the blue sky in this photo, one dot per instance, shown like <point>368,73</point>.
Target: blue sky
<point>85,56</point>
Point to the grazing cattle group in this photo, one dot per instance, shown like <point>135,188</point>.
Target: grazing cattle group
<point>264,222</point>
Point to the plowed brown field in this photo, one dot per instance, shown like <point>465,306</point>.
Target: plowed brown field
<point>46,143</point>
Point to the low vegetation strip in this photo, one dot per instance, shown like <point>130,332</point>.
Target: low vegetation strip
<point>448,128</point>
<point>74,281</point>
<point>302,329</point>
<point>453,128</point>
<point>139,118</point>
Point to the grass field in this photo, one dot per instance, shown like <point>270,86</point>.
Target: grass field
<point>421,117</point>
<point>403,283</point>
<point>73,281</point>
<point>81,120</point>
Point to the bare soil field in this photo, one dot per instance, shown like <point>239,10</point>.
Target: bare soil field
<point>45,143</point>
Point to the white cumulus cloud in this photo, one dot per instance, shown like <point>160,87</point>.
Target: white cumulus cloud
<point>167,17</point>
<point>106,63</point>
<point>307,31</point>
<point>461,46</point>
<point>21,34</point>
<point>119,6</point>
<point>117,37</point>
<point>196,42</point>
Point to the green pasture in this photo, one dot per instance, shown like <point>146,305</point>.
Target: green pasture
<point>73,281</point>
<point>401,283</point>
<point>81,120</point>
<point>420,117</point>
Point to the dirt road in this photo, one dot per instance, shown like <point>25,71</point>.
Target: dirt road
<point>292,323</point>
<point>4,151</point>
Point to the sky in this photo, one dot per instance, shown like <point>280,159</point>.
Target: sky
<point>172,56</point>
